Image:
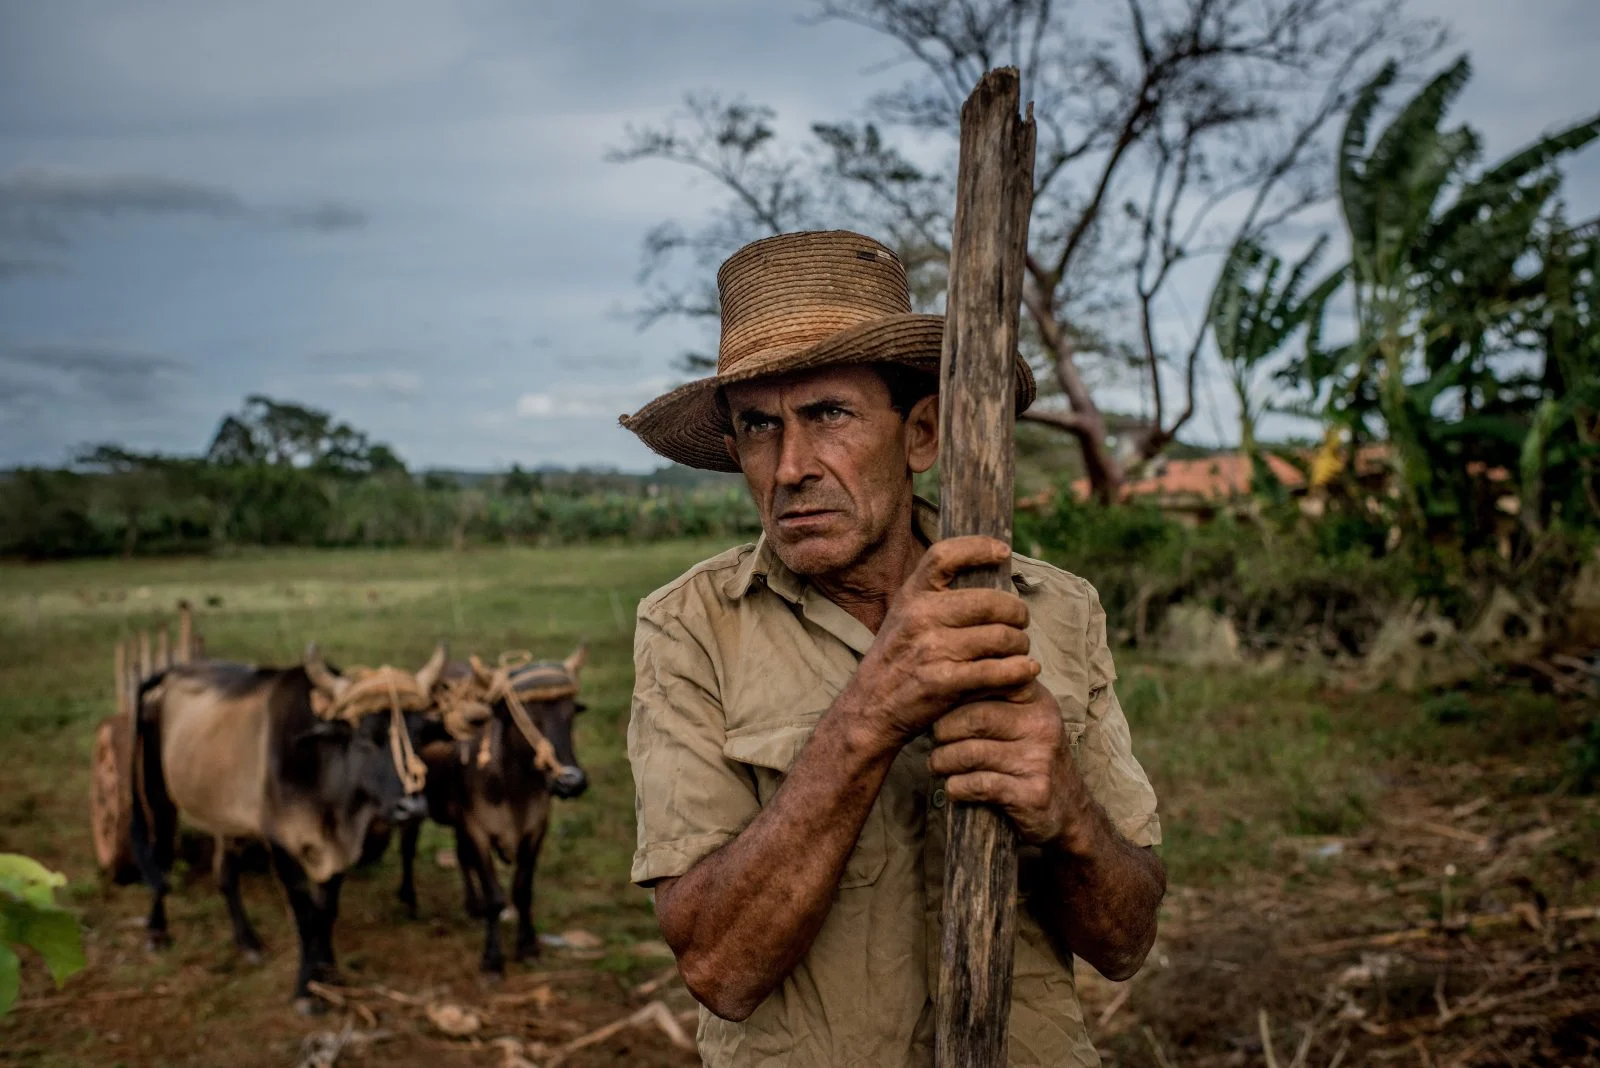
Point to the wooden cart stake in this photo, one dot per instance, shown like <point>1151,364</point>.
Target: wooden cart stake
<point>994,196</point>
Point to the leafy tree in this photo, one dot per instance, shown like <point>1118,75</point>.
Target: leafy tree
<point>1167,132</point>
<point>285,434</point>
<point>1451,295</point>
<point>30,917</point>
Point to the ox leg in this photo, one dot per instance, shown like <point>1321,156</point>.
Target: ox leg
<point>494,902</point>
<point>153,830</point>
<point>314,913</point>
<point>409,831</point>
<point>227,871</point>
<point>467,861</point>
<point>522,894</point>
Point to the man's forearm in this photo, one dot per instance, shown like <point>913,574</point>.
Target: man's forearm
<point>1098,899</point>
<point>741,919</point>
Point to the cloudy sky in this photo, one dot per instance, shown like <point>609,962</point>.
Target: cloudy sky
<point>400,210</point>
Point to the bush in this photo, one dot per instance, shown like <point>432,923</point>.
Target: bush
<point>1279,583</point>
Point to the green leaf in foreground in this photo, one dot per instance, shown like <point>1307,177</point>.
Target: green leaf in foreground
<point>10,979</point>
<point>28,880</point>
<point>29,916</point>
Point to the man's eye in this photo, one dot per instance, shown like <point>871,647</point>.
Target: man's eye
<point>757,425</point>
<point>832,414</point>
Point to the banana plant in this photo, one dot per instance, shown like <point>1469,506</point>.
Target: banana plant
<point>1446,272</point>
<point>1253,316</point>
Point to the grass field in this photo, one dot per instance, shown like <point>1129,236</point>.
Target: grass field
<point>1294,815</point>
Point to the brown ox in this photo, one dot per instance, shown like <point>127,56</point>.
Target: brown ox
<point>249,753</point>
<point>492,783</point>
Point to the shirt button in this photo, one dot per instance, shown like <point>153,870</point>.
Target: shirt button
<point>938,798</point>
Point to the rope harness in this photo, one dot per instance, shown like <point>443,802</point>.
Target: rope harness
<point>383,689</point>
<point>467,705</point>
<point>537,682</point>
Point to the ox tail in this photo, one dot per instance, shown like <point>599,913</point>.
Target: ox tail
<point>154,828</point>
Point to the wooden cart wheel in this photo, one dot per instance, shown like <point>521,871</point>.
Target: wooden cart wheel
<point>111,799</point>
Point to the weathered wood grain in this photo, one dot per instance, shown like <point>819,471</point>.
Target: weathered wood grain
<point>994,195</point>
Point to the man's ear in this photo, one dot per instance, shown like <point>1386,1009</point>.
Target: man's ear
<point>733,449</point>
<point>922,434</point>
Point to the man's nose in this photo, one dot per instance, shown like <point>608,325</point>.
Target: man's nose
<point>797,459</point>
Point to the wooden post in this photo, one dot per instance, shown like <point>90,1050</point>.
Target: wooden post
<point>163,649</point>
<point>185,633</point>
<point>120,667</point>
<point>994,196</point>
<point>146,662</point>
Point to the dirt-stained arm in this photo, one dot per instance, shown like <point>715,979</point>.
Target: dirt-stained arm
<point>741,918</point>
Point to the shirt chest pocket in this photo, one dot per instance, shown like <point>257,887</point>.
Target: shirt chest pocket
<point>768,753</point>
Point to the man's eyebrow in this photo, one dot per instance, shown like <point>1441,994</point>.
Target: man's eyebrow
<point>745,415</point>
<point>822,404</point>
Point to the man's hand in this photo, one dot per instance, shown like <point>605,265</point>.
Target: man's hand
<point>1012,752</point>
<point>940,647</point>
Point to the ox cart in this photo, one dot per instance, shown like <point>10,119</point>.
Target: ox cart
<point>111,763</point>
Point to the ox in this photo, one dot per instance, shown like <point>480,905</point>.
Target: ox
<point>277,756</point>
<point>507,751</point>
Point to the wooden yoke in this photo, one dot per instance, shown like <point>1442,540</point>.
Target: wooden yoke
<point>977,415</point>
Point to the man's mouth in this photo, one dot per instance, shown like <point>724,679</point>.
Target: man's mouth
<point>804,517</point>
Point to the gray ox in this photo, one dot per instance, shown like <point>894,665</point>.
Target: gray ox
<point>243,753</point>
<point>493,785</point>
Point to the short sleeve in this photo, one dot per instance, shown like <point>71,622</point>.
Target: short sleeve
<point>688,799</point>
<point>1105,751</point>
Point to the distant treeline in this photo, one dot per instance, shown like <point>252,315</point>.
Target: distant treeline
<point>280,474</point>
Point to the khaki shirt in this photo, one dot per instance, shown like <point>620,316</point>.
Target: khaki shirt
<point>735,663</point>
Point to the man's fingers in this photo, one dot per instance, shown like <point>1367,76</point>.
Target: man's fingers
<point>985,788</point>
<point>988,640</point>
<point>972,755</point>
<point>970,608</point>
<point>949,557</point>
<point>995,718</point>
<point>993,674</point>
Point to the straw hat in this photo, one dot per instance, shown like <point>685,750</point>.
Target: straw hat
<point>797,302</point>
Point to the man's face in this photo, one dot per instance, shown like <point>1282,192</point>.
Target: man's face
<point>828,461</point>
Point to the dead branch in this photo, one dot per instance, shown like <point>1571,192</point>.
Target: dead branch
<point>655,1013</point>
<point>1416,934</point>
<point>98,998</point>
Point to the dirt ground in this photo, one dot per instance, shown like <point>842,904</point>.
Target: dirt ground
<point>1356,878</point>
<point>1430,938</point>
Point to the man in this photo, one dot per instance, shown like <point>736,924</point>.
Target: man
<point>806,709</point>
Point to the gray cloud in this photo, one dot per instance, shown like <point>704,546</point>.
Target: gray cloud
<point>40,206</point>
<point>93,372</point>
<point>89,360</point>
<point>397,385</point>
<point>24,396</point>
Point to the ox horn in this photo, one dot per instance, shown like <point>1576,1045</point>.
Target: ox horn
<point>574,663</point>
<point>323,679</point>
<point>428,677</point>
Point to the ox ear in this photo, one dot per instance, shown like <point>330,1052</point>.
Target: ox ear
<point>574,663</point>
<point>428,677</point>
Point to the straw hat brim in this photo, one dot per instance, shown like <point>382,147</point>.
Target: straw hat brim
<point>686,426</point>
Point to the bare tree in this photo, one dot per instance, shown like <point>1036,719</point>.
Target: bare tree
<point>1169,131</point>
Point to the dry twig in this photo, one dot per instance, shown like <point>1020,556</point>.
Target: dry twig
<point>1476,923</point>
<point>97,998</point>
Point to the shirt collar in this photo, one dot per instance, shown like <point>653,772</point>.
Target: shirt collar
<point>1026,575</point>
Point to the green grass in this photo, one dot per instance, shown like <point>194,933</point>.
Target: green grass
<point>1240,760</point>
<point>58,625</point>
